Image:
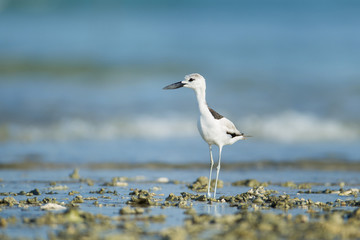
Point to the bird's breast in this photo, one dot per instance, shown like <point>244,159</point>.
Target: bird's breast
<point>210,130</point>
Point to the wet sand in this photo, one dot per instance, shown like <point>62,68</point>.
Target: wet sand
<point>162,201</point>
<point>328,164</point>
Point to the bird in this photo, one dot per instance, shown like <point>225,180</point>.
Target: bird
<point>214,128</point>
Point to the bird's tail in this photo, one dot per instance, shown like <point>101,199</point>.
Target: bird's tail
<point>245,136</point>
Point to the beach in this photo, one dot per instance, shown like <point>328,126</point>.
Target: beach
<point>170,202</point>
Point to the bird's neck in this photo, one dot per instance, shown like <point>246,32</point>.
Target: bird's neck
<point>201,98</point>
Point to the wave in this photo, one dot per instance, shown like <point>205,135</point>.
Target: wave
<point>82,129</point>
<point>283,127</point>
<point>291,126</point>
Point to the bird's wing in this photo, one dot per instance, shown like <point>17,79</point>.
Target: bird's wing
<point>215,114</point>
<point>230,128</point>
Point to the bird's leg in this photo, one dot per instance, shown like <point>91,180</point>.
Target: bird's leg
<point>218,170</point>
<point>211,167</point>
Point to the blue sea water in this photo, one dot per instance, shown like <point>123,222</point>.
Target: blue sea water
<point>81,81</point>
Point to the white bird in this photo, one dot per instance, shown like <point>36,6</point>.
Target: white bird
<point>213,127</point>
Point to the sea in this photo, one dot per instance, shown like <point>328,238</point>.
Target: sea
<point>81,81</point>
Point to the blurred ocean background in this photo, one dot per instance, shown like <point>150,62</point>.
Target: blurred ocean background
<point>81,81</point>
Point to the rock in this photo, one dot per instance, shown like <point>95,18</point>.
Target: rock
<point>155,189</point>
<point>157,218</point>
<point>49,200</point>
<point>34,201</point>
<point>183,204</point>
<point>289,184</point>
<point>117,182</point>
<point>91,198</point>
<point>249,183</point>
<point>35,192</point>
<point>142,198</point>
<point>258,200</point>
<point>121,184</point>
<point>352,191</point>
<point>139,210</point>
<point>73,193</point>
<point>201,184</point>
<point>356,213</point>
<point>162,180</point>
<point>172,198</point>
<point>190,211</point>
<point>301,218</point>
<point>89,182</point>
<point>52,207</point>
<point>220,184</point>
<point>73,216</point>
<point>127,210</point>
<point>304,186</point>
<point>202,198</point>
<point>174,233</point>
<point>58,188</point>
<point>75,174</point>
<point>9,201</point>
<point>78,199</point>
<point>3,223</point>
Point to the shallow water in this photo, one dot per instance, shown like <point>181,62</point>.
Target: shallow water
<point>174,151</point>
<point>26,180</point>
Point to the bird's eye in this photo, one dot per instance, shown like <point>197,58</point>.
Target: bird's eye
<point>191,79</point>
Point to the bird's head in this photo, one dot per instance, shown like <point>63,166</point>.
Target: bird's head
<point>194,81</point>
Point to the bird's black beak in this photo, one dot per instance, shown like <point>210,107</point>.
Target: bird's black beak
<point>174,85</point>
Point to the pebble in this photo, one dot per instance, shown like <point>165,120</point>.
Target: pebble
<point>121,184</point>
<point>201,184</point>
<point>8,201</point>
<point>128,210</point>
<point>249,183</point>
<point>58,188</point>
<point>155,189</point>
<point>52,206</point>
<point>142,198</point>
<point>35,192</point>
<point>78,199</point>
<point>75,174</point>
<point>162,180</point>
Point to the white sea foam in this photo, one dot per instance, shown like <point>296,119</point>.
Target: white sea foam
<point>81,129</point>
<point>293,126</point>
<point>283,127</point>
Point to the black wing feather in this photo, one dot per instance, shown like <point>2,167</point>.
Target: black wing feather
<point>215,114</point>
<point>234,134</point>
